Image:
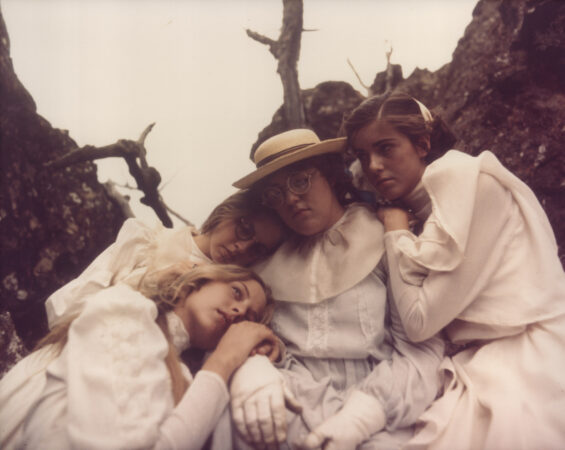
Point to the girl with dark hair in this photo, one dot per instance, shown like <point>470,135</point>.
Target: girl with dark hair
<point>348,365</point>
<point>238,231</point>
<point>111,377</point>
<point>483,270</point>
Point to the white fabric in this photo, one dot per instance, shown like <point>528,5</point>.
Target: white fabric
<point>361,416</point>
<point>137,247</point>
<point>351,341</point>
<point>109,387</point>
<point>485,269</point>
<point>311,266</point>
<point>259,394</point>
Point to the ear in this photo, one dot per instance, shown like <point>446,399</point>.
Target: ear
<point>423,147</point>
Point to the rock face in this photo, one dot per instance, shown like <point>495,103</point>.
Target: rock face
<point>504,91</point>
<point>52,223</point>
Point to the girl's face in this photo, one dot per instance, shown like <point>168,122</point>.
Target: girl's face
<point>208,312</point>
<point>312,212</point>
<point>393,165</point>
<point>244,241</point>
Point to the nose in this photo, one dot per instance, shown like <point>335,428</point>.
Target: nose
<point>243,246</point>
<point>290,197</point>
<point>375,162</point>
<point>238,310</point>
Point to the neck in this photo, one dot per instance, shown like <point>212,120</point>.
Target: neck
<point>419,202</point>
<point>203,243</point>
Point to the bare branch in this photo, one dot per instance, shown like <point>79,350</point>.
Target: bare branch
<point>178,216</point>
<point>141,142</point>
<point>359,78</point>
<point>287,51</point>
<point>147,178</point>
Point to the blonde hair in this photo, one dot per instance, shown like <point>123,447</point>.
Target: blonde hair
<point>167,287</point>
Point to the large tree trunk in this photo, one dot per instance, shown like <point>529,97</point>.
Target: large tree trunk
<point>287,52</point>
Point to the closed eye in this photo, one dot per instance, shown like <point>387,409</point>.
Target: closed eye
<point>237,294</point>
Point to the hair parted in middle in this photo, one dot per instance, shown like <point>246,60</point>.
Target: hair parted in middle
<point>167,287</point>
<point>240,204</point>
<point>408,116</point>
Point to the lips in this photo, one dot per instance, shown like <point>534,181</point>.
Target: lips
<point>226,320</point>
<point>299,212</point>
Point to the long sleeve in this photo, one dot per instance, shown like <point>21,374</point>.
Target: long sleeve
<point>111,387</point>
<point>116,262</point>
<point>196,415</point>
<point>407,382</point>
<point>428,300</point>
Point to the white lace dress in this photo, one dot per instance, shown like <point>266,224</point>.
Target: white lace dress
<point>485,270</point>
<point>332,313</point>
<point>137,248</point>
<point>109,387</point>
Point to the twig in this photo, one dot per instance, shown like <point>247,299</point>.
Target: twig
<point>147,178</point>
<point>359,78</point>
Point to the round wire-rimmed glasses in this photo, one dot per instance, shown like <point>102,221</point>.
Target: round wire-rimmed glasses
<point>244,229</point>
<point>299,183</point>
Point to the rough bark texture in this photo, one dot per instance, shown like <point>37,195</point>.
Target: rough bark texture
<point>504,91</point>
<point>52,222</point>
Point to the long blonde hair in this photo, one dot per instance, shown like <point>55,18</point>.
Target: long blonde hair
<point>167,287</point>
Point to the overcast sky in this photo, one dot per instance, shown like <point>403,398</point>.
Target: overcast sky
<point>105,69</point>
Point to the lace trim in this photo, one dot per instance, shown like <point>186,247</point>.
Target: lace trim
<point>181,339</point>
<point>318,329</point>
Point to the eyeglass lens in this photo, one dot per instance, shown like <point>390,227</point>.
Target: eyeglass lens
<point>244,229</point>
<point>298,183</point>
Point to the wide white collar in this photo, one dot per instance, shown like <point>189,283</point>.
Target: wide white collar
<point>329,263</point>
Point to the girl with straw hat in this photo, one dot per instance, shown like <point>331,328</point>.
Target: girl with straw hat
<point>349,367</point>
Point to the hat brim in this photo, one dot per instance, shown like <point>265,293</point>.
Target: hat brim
<point>327,146</point>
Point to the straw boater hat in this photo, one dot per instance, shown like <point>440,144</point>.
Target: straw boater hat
<point>287,148</point>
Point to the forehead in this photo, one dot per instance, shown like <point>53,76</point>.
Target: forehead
<point>375,130</point>
<point>256,294</point>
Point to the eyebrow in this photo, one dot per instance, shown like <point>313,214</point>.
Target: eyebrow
<point>246,290</point>
<point>382,141</point>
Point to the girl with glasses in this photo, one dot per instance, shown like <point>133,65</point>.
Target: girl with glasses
<point>348,367</point>
<point>238,231</point>
<point>483,269</point>
<point>111,377</point>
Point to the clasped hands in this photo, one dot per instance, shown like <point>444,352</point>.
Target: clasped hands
<point>260,398</point>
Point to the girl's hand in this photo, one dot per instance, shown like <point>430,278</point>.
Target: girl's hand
<point>236,345</point>
<point>273,352</point>
<point>394,218</point>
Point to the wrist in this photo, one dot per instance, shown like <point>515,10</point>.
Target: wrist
<point>221,364</point>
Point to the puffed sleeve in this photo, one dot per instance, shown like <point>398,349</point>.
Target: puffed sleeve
<point>127,253</point>
<point>408,382</point>
<point>427,299</point>
<point>118,385</point>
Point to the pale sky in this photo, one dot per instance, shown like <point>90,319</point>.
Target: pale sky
<point>105,69</point>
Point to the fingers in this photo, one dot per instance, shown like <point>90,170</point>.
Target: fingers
<point>253,430</point>
<point>278,412</point>
<point>290,401</point>
<point>314,440</point>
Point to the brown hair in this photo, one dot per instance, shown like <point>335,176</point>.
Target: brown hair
<point>332,167</point>
<point>167,287</point>
<point>241,204</point>
<point>403,113</point>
